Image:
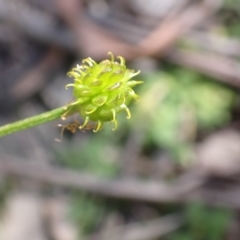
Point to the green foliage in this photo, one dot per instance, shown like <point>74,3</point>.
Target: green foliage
<point>203,223</point>
<point>175,106</point>
<point>87,212</point>
<point>232,4</point>
<point>96,157</point>
<point>230,15</point>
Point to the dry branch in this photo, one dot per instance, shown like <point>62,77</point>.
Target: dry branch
<point>150,191</point>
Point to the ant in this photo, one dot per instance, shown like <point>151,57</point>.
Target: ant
<point>73,127</point>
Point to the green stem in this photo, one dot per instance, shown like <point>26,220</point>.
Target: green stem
<point>33,121</point>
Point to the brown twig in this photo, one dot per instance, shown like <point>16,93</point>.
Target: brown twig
<point>151,191</point>
<point>214,43</point>
<point>35,78</point>
<point>142,231</point>
<point>170,30</point>
<point>222,68</point>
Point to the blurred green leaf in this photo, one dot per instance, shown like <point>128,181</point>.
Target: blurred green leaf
<point>87,211</point>
<point>95,156</point>
<point>203,223</point>
<point>175,106</point>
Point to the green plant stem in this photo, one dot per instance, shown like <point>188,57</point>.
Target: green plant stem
<point>33,121</point>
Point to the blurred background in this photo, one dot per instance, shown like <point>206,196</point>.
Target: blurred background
<point>171,172</point>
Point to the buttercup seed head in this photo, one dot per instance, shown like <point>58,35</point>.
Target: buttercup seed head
<point>102,90</point>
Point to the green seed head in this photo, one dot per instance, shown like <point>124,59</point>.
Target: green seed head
<point>102,90</point>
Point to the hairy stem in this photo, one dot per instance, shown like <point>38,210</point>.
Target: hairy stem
<point>33,121</point>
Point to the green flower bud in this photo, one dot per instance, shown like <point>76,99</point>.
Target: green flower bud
<point>102,90</point>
